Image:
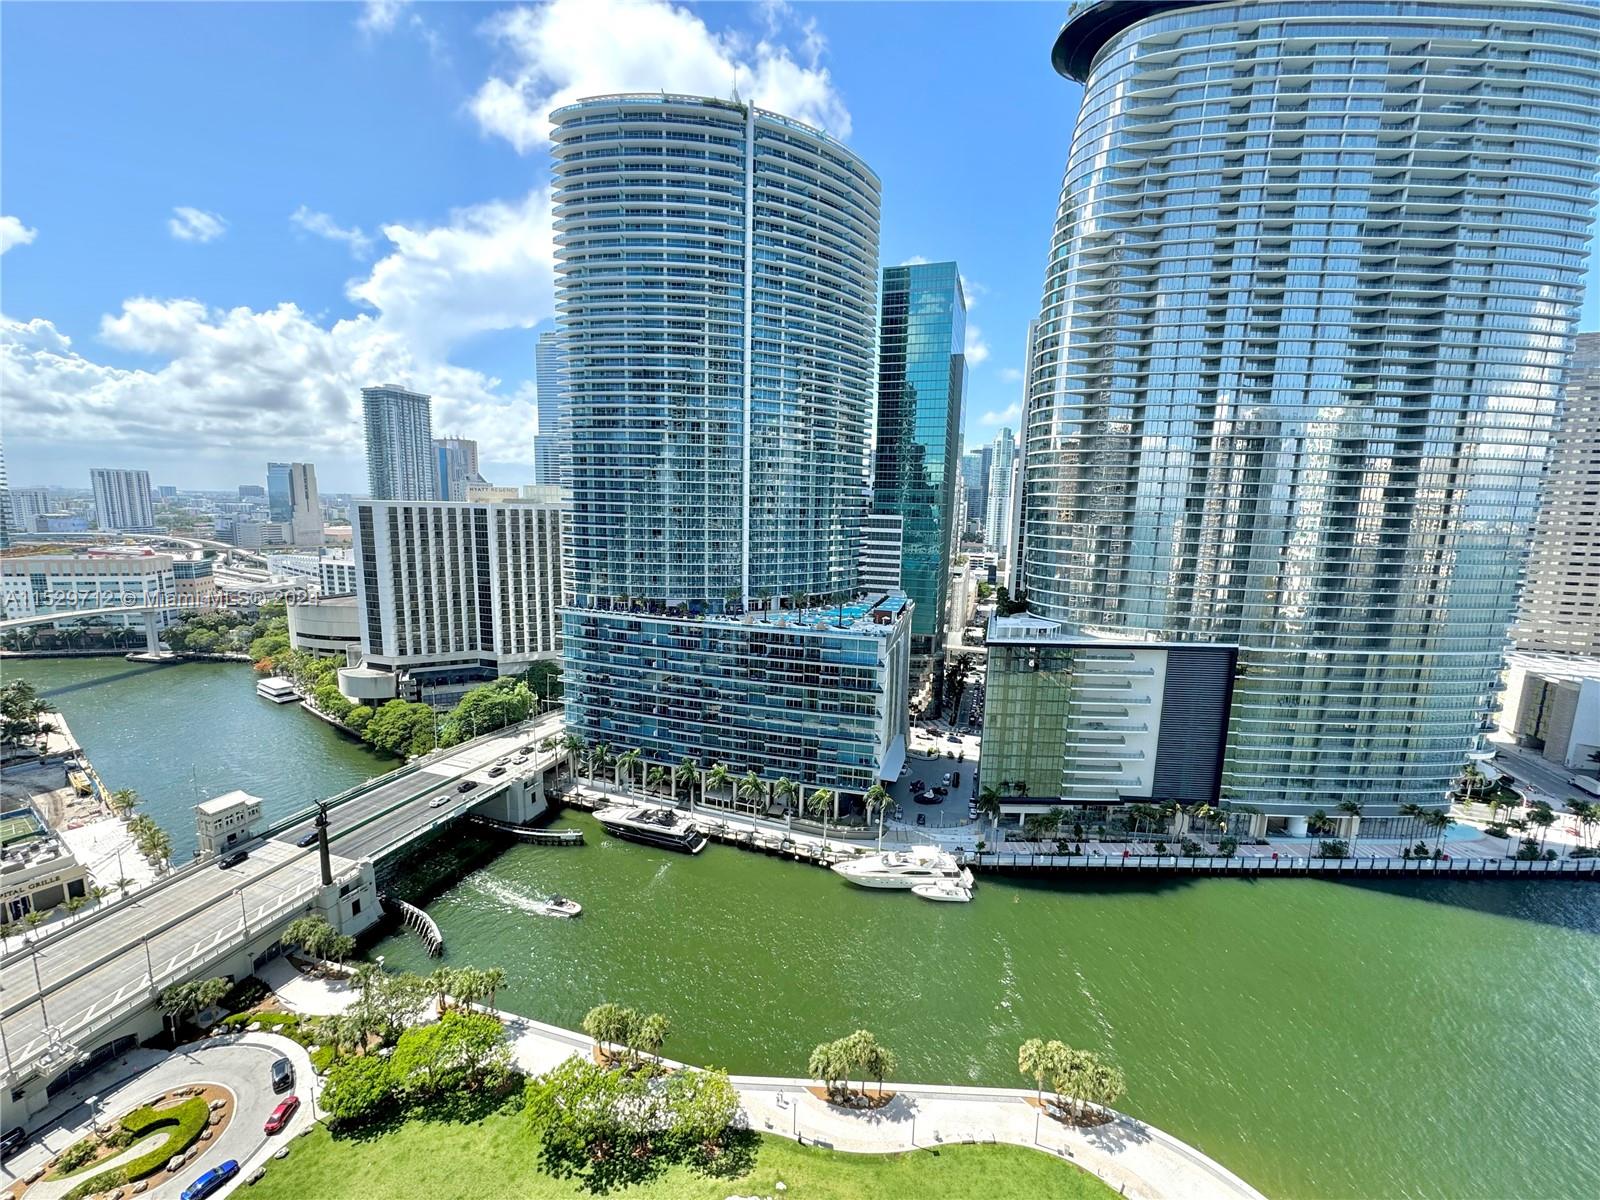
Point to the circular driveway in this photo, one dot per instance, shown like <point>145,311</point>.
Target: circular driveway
<point>238,1062</point>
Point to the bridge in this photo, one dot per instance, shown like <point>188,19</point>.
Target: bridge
<point>152,643</point>
<point>69,995</point>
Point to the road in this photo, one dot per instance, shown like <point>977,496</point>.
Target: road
<point>1527,767</point>
<point>105,963</point>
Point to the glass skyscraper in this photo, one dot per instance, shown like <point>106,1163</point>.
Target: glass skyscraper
<point>922,376</point>
<point>280,504</point>
<point>1313,286</point>
<point>547,384</point>
<point>716,295</point>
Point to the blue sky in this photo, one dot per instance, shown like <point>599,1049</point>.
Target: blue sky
<point>221,220</point>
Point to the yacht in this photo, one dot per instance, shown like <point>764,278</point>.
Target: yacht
<point>652,825</point>
<point>277,689</point>
<point>904,868</point>
<point>947,891</point>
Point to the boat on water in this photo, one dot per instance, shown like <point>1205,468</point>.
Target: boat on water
<point>559,906</point>
<point>652,825</point>
<point>947,891</point>
<point>277,689</point>
<point>904,868</point>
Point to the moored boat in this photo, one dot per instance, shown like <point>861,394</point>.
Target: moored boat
<point>946,890</point>
<point>903,869</point>
<point>652,825</point>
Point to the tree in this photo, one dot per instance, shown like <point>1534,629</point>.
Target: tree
<point>751,791</point>
<point>1040,1060</point>
<point>718,777</point>
<point>357,1089</point>
<point>820,804</point>
<point>1439,822</point>
<point>1542,816</point>
<point>879,801</point>
<point>183,1000</point>
<point>688,774</point>
<point>627,762</point>
<point>123,801</point>
<point>21,711</point>
<point>574,747</point>
<point>599,758</point>
<point>989,804</point>
<point>461,1051</point>
<point>402,727</point>
<point>1353,809</point>
<point>856,1056</point>
<point>359,717</point>
<point>609,1024</point>
<point>312,934</point>
<point>655,779</point>
<point>593,1124</point>
<point>701,1106</point>
<point>827,1064</point>
<point>786,791</point>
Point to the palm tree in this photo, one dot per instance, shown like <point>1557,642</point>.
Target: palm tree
<point>1439,822</point>
<point>627,761</point>
<point>655,779</point>
<point>718,777</point>
<point>575,747</point>
<point>33,918</point>
<point>1542,816</point>
<point>1168,812</point>
<point>786,791</point>
<point>750,789</point>
<point>494,978</point>
<point>1353,809</point>
<point>599,758</point>
<point>820,803</point>
<point>989,804</point>
<point>878,800</point>
<point>123,801</point>
<point>688,774</point>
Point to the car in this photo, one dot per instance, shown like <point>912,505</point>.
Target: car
<point>953,737</point>
<point>211,1180</point>
<point>282,1074</point>
<point>467,786</point>
<point>496,772</point>
<point>307,839</point>
<point>439,801</point>
<point>945,779</point>
<point>519,760</point>
<point>12,1141</point>
<point>922,818</point>
<point>287,1107</point>
<point>232,860</point>
<point>941,790</point>
<point>955,779</point>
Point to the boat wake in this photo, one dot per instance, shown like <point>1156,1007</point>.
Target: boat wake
<point>511,896</point>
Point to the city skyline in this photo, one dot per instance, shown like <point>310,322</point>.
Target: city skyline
<point>113,299</point>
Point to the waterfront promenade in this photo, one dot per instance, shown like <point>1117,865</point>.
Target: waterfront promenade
<point>1135,1158</point>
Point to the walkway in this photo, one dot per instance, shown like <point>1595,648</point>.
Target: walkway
<point>1131,1156</point>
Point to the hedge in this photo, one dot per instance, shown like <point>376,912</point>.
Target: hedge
<point>284,1022</point>
<point>189,1118</point>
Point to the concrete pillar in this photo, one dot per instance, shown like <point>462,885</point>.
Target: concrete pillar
<point>1258,825</point>
<point>152,644</point>
<point>1297,827</point>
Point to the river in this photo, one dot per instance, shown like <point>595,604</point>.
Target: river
<point>1322,1039</point>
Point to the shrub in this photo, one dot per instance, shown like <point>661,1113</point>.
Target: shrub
<point>1161,847</point>
<point>188,1119</point>
<point>247,993</point>
<point>75,1156</point>
<point>1227,846</point>
<point>322,1058</point>
<point>1192,848</point>
<point>1333,848</point>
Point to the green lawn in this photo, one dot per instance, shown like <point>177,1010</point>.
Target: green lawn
<point>496,1159</point>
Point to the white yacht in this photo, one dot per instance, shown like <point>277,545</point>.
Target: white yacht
<point>652,825</point>
<point>947,891</point>
<point>904,868</point>
<point>277,689</point>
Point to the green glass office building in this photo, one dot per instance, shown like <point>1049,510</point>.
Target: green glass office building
<point>922,376</point>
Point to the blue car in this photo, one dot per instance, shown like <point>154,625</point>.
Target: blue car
<point>211,1181</point>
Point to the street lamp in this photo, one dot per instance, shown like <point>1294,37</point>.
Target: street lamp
<point>94,1120</point>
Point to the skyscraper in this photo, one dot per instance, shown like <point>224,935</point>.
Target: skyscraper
<point>280,505</point>
<point>1561,598</point>
<point>547,382</point>
<point>122,500</point>
<point>305,506</point>
<point>1314,281</point>
<point>457,466</point>
<point>1002,472</point>
<point>975,482</point>
<point>922,376</point>
<point>722,469</point>
<point>400,458</point>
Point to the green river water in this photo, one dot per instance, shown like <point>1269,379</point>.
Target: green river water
<point>1321,1039</point>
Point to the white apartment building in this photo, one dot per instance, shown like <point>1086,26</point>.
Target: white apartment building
<point>28,504</point>
<point>305,506</point>
<point>33,585</point>
<point>457,587</point>
<point>122,500</point>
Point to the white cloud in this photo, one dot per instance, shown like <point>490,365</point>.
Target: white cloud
<point>916,260</point>
<point>258,382</point>
<point>14,233</point>
<point>1011,374</point>
<point>324,226</point>
<point>973,291</point>
<point>1009,415</point>
<point>380,16</point>
<point>976,348</point>
<point>570,49</point>
<point>195,225</point>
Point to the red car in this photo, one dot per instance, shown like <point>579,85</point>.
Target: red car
<point>280,1115</point>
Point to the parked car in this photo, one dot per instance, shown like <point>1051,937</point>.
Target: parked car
<point>282,1074</point>
<point>307,839</point>
<point>466,786</point>
<point>211,1180</point>
<point>945,779</point>
<point>941,790</point>
<point>287,1107</point>
<point>232,860</point>
<point>955,779</point>
<point>11,1141</point>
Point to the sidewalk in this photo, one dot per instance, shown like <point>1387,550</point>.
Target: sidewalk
<point>1131,1156</point>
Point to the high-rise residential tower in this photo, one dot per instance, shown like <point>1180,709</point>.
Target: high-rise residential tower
<point>922,376</point>
<point>400,457</point>
<point>456,465</point>
<point>122,500</point>
<point>1002,477</point>
<point>1561,598</point>
<point>718,397</point>
<point>547,384</point>
<point>1313,287</point>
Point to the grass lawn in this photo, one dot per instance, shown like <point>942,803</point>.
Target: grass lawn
<point>497,1159</point>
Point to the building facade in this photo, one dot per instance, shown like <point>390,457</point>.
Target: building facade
<point>975,491</point>
<point>1002,477</point>
<point>328,628</point>
<point>400,457</point>
<point>28,504</point>
<point>881,541</point>
<point>1289,392</point>
<point>305,506</point>
<point>1561,597</point>
<point>280,504</point>
<point>36,584</point>
<point>457,590</point>
<point>456,464</point>
<point>547,456</point>
<point>922,376</point>
<point>717,403</point>
<point>122,500</point>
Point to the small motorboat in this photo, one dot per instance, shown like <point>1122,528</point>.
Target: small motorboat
<point>559,906</point>
<point>946,890</point>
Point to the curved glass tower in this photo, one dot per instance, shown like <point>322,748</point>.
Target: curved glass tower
<point>1314,280</point>
<point>716,303</point>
